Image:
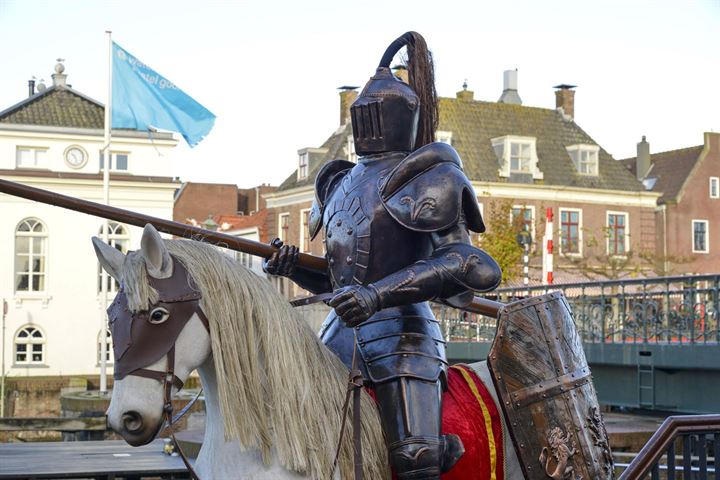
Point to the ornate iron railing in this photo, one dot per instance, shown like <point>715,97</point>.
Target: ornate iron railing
<point>662,310</point>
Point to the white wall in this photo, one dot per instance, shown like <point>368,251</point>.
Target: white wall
<point>146,157</point>
<point>69,311</point>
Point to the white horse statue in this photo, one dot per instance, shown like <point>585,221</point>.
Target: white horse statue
<point>273,391</point>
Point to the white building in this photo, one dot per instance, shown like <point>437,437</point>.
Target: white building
<point>49,274</point>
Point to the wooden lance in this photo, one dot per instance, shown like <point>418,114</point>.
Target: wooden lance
<point>311,262</point>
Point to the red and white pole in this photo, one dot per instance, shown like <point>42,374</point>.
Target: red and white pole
<point>548,248</point>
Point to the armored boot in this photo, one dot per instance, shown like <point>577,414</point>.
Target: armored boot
<point>410,411</point>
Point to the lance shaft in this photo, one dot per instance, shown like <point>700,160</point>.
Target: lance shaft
<point>311,262</point>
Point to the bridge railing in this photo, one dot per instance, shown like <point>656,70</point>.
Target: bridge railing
<point>661,310</point>
<point>684,447</point>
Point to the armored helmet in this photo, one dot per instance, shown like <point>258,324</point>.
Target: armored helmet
<point>391,115</point>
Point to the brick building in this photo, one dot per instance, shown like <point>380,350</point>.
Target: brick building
<point>534,158</point>
<point>688,213</point>
<point>195,202</point>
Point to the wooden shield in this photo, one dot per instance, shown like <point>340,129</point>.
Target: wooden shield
<point>542,377</point>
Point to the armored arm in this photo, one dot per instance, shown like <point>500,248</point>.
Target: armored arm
<point>451,274</point>
<point>453,271</point>
<point>428,192</point>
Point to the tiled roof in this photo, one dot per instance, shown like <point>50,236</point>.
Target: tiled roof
<point>336,147</point>
<point>229,223</point>
<point>57,106</point>
<point>670,169</point>
<point>475,123</point>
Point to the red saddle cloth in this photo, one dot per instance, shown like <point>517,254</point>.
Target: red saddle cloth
<point>469,412</point>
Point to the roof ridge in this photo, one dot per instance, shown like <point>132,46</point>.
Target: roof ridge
<point>677,150</point>
<point>500,104</point>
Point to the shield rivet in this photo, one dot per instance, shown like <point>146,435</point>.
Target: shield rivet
<point>349,231</point>
<point>349,260</point>
<point>329,234</point>
<point>338,223</point>
<point>331,261</point>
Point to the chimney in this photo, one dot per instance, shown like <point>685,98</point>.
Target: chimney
<point>31,87</point>
<point>565,99</point>
<point>510,93</point>
<point>465,94</point>
<point>348,94</point>
<point>642,162</point>
<point>59,77</point>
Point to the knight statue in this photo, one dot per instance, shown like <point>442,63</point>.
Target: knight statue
<point>396,230</point>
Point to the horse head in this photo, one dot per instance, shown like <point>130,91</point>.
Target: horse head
<point>160,334</point>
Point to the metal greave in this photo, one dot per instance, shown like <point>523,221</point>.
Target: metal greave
<point>410,411</point>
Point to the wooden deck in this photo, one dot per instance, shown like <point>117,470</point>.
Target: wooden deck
<point>106,460</point>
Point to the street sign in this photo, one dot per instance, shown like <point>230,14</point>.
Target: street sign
<point>523,238</point>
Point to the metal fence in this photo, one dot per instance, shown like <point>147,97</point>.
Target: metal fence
<point>683,448</point>
<point>662,310</point>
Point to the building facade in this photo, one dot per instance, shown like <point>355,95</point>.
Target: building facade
<point>688,213</point>
<point>525,159</point>
<point>51,279</point>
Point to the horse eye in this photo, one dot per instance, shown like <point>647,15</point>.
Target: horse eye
<point>159,315</point>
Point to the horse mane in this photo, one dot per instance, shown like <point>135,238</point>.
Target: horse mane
<point>280,388</point>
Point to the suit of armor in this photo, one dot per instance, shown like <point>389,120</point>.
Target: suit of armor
<point>396,234</point>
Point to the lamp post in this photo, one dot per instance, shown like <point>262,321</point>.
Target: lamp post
<point>524,239</point>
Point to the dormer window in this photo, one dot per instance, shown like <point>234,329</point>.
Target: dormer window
<point>304,161</point>
<point>516,155</point>
<point>443,137</point>
<point>585,158</point>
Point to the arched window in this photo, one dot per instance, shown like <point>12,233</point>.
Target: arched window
<point>30,256</point>
<point>29,346</point>
<point>108,343</point>
<point>118,237</point>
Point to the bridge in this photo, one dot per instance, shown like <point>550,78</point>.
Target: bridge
<point>651,343</point>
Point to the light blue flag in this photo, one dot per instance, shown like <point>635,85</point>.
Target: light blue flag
<point>141,98</point>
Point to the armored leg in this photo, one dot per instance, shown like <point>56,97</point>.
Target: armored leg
<point>410,413</point>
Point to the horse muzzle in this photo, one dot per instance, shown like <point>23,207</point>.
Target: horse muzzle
<point>137,430</point>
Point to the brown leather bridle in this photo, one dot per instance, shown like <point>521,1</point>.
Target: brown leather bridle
<point>140,339</point>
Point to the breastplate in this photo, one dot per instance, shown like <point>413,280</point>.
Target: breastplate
<point>363,242</point>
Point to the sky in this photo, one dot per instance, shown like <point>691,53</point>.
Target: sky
<point>270,70</point>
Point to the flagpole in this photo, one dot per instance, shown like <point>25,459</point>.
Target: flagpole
<point>107,158</point>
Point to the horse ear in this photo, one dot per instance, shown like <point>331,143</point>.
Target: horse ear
<point>157,258</point>
<point>110,258</point>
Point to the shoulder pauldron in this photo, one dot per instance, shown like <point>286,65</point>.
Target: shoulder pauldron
<point>326,178</point>
<point>427,191</point>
